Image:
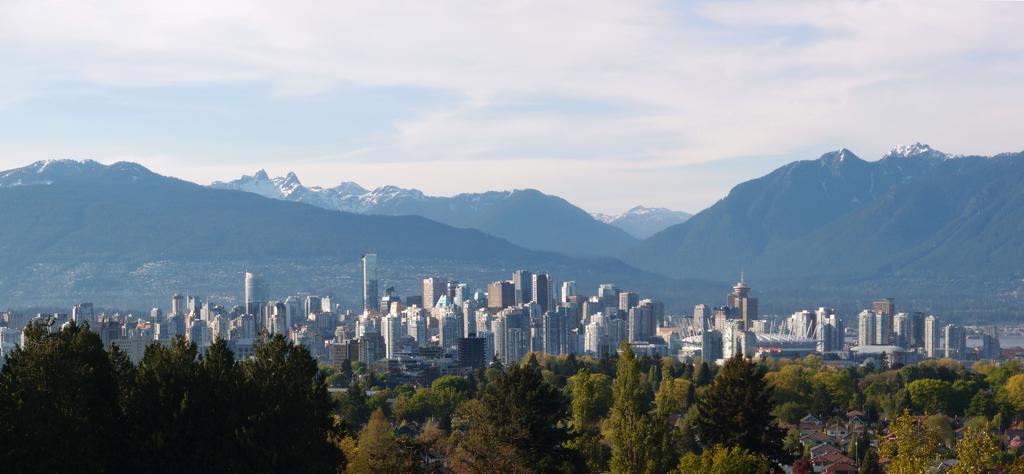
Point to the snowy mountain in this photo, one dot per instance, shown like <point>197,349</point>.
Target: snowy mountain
<point>526,217</point>
<point>642,222</point>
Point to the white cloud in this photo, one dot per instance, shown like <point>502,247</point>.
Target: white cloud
<point>689,83</point>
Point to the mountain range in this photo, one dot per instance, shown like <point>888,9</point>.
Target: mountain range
<point>120,234</point>
<point>925,225</point>
<point>939,232</point>
<point>525,217</point>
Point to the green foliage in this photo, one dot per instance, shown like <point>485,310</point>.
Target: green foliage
<point>640,442</point>
<point>978,451</point>
<point>723,460</point>
<point>62,392</point>
<point>59,408</point>
<point>736,409</point>
<point>930,395</point>
<point>913,446</point>
<point>515,425</point>
<point>379,450</point>
<point>1014,391</point>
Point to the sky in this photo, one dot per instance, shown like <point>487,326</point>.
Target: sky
<point>609,104</point>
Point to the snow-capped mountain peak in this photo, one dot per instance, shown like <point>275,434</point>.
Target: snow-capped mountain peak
<point>642,221</point>
<point>916,150</point>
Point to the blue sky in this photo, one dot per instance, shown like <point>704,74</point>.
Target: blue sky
<point>609,104</point>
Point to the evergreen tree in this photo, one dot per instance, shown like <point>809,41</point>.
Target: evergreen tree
<point>516,425</point>
<point>735,410</point>
<point>591,397</point>
<point>640,443</point>
<point>292,425</point>
<point>59,409</point>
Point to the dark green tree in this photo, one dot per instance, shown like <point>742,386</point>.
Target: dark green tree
<point>516,425</point>
<point>870,463</point>
<point>291,424</point>
<point>59,409</point>
<point>736,409</point>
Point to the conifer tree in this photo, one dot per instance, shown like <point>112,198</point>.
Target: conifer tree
<point>735,410</point>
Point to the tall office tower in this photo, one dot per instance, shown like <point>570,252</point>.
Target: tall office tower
<point>500,329</point>
<point>326,304</point>
<point>956,341</point>
<point>639,323</point>
<point>177,304</point>
<point>608,294</point>
<point>501,295</point>
<point>543,291</point>
<point>156,315</point>
<point>568,291</point>
<point>433,288</point>
<point>84,313</point>
<point>866,330</point>
<point>256,295</point>
<point>392,330</point>
<point>916,338</point>
<point>883,329</point>
<point>416,324</point>
<point>523,281</point>
<point>627,300</point>
<point>901,329</point>
<point>371,285</point>
<point>741,304</point>
<point>931,335</point>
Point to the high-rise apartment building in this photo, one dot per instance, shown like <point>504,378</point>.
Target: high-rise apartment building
<point>931,336</point>
<point>866,330</point>
<point>883,329</point>
<point>627,300</point>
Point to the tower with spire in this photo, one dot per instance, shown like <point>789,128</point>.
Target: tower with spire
<point>741,305</point>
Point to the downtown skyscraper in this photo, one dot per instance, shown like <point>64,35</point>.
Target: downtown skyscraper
<point>371,285</point>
